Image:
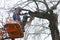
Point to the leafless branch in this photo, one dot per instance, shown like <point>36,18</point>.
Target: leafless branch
<point>26,4</point>
<point>31,8</point>
<point>55,6</point>
<point>47,36</point>
<point>17,5</point>
<point>36,5</point>
<point>44,2</point>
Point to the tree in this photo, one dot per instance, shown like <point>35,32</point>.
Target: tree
<point>50,16</point>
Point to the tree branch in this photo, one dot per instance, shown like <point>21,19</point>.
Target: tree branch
<point>36,5</point>
<point>45,4</point>
<point>42,15</point>
<point>55,6</point>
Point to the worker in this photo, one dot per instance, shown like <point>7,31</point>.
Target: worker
<point>16,14</point>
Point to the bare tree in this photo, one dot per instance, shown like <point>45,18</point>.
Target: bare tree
<point>50,16</point>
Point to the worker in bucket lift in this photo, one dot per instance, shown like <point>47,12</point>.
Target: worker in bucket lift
<point>16,17</point>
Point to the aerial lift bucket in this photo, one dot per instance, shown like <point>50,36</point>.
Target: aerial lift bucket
<point>14,29</point>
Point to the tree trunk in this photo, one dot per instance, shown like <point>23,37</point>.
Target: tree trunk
<point>53,19</point>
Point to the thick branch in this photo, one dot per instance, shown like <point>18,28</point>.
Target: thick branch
<point>42,15</point>
<point>38,14</point>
